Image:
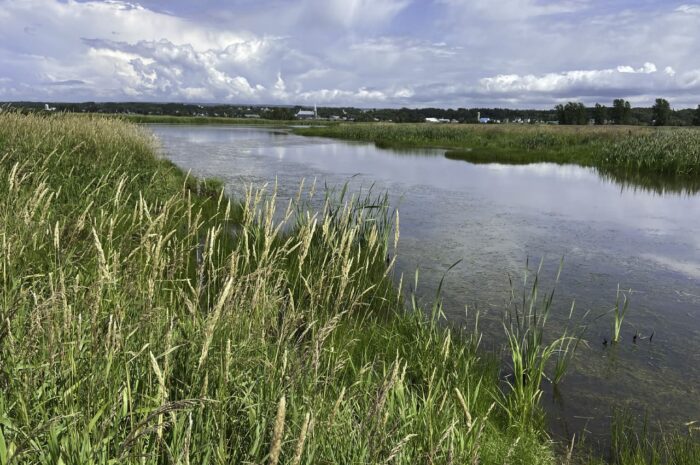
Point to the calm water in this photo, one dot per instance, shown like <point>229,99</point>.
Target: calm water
<point>493,217</point>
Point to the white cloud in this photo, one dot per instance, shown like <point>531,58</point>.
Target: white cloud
<point>689,9</point>
<point>444,52</point>
<point>553,82</point>
<point>648,68</point>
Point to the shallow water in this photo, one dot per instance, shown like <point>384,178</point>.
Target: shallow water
<point>493,218</point>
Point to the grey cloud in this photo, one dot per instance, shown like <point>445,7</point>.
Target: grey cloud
<point>454,53</point>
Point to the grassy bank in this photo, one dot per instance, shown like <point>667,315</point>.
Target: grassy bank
<point>668,151</point>
<point>145,323</point>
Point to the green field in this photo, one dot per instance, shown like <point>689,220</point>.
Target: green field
<point>146,318</point>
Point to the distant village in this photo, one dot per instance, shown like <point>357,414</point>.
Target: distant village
<point>587,115</point>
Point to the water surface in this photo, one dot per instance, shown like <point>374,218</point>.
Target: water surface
<point>494,217</point>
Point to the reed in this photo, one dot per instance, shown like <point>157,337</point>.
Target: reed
<point>619,311</point>
<point>674,152</point>
<point>529,352</point>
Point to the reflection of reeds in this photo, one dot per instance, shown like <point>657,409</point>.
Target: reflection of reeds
<point>651,181</point>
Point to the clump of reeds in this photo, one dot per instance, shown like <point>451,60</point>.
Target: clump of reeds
<point>673,152</point>
<point>489,143</point>
<point>529,352</point>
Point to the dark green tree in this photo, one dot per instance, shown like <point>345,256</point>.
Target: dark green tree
<point>661,112</point>
<point>600,113</point>
<point>561,114</point>
<point>571,113</point>
<point>621,110</point>
<point>696,117</point>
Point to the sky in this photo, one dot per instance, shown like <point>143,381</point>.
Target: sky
<point>365,53</point>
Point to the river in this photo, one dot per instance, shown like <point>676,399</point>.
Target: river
<point>495,218</point>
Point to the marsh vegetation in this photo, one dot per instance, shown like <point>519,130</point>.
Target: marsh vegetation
<point>140,327</point>
<point>632,149</point>
<point>148,318</point>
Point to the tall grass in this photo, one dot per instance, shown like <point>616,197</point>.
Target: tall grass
<point>142,322</point>
<point>666,151</point>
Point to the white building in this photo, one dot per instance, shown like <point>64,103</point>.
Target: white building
<point>307,114</point>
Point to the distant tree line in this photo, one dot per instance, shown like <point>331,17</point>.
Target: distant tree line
<point>620,112</point>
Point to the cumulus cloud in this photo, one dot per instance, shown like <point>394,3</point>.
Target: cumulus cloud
<point>360,52</point>
<point>648,68</point>
<point>689,9</point>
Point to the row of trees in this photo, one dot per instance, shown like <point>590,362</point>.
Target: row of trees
<point>621,112</point>
<point>577,113</point>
